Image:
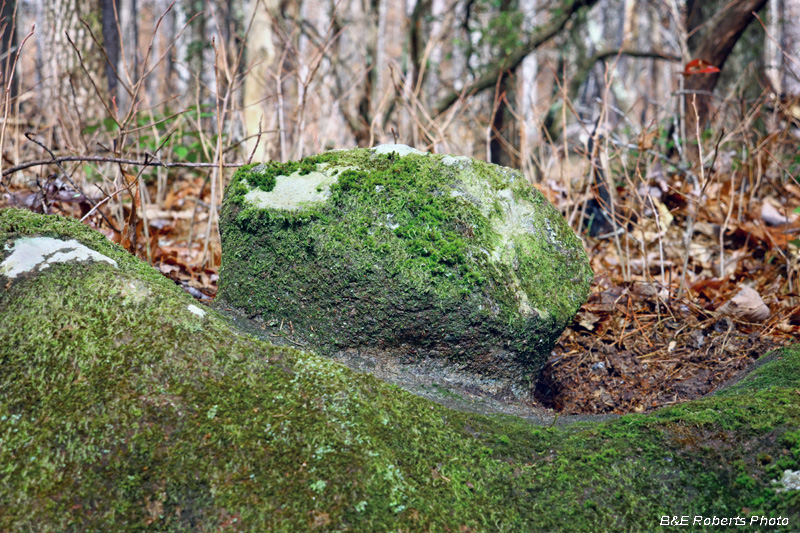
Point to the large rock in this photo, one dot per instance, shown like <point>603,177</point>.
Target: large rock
<point>125,406</point>
<point>443,262</point>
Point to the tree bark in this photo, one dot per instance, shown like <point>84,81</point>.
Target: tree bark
<point>111,42</point>
<point>715,47</point>
<point>69,64</point>
<point>128,61</point>
<point>791,43</point>
<point>181,74</point>
<point>8,44</point>
<point>527,90</point>
<point>260,56</point>
<point>541,35</point>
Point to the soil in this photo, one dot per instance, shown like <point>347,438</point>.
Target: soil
<point>629,350</point>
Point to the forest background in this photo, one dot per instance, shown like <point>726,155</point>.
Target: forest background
<point>666,132</point>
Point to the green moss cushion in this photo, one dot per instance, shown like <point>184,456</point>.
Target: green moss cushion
<point>125,405</point>
<point>406,255</point>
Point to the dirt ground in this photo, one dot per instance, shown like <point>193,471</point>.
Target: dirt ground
<point>630,351</point>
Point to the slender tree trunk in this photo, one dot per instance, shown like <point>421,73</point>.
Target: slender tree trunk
<point>502,123</point>
<point>181,73</point>
<point>791,44</point>
<point>67,93</point>
<point>207,32</point>
<point>8,44</point>
<point>257,82</point>
<point>111,42</point>
<point>128,61</point>
<point>527,90</point>
<point>380,57</point>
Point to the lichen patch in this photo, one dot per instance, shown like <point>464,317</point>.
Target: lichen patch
<point>789,482</point>
<point>515,222</point>
<point>296,191</point>
<point>134,292</point>
<point>456,160</point>
<point>38,253</point>
<point>196,310</point>
<point>400,149</point>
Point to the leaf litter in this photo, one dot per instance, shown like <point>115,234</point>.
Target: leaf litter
<point>635,345</point>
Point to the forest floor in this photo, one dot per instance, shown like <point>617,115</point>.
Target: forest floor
<point>639,343</point>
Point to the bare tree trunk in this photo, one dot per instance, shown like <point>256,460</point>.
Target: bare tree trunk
<point>528,96</point>
<point>773,57</point>
<point>380,57</point>
<point>67,92</point>
<point>158,84</point>
<point>111,42</point>
<point>128,61</point>
<point>791,44</point>
<point>206,32</point>
<point>715,47</point>
<point>180,65</point>
<point>260,56</point>
<point>501,123</point>
<point>8,44</point>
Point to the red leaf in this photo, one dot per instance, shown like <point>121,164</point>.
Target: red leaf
<point>699,66</point>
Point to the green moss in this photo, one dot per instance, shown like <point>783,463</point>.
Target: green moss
<point>405,242</point>
<point>263,175</point>
<point>119,409</point>
<point>432,232</point>
<point>781,369</point>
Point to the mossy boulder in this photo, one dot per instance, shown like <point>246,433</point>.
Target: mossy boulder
<point>126,405</point>
<point>444,262</point>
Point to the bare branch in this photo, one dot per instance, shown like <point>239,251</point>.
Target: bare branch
<point>103,159</point>
<point>541,36</point>
<point>67,177</point>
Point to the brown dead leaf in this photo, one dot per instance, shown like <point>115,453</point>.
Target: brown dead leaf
<point>665,218</point>
<point>747,305</point>
<point>588,320</point>
<point>647,139</point>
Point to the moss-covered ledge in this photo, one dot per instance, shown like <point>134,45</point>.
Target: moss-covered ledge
<point>122,408</point>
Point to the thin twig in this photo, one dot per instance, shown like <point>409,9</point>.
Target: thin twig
<point>120,160</point>
<point>694,206</point>
<point>99,94</point>
<point>7,95</point>
<point>30,137</point>
<point>258,140</point>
